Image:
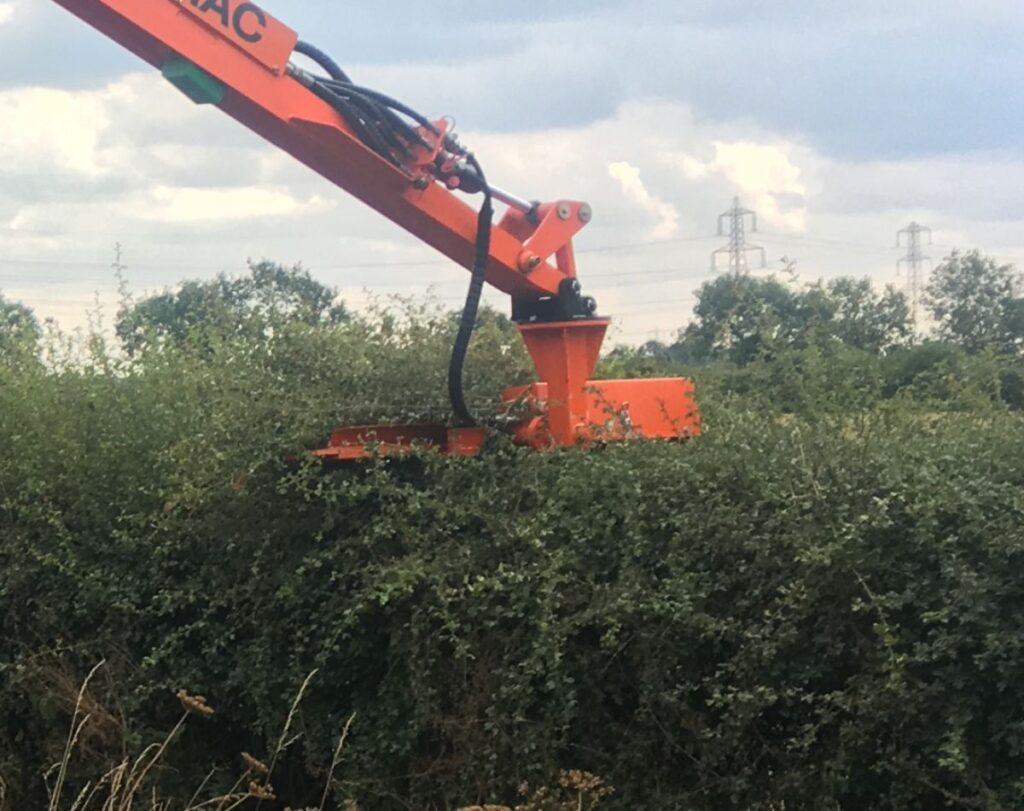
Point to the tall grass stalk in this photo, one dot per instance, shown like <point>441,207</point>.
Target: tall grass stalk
<point>75,730</point>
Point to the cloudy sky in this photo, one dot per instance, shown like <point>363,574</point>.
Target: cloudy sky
<point>839,122</point>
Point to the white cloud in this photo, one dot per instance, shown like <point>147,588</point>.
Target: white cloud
<point>633,187</point>
<point>7,11</point>
<point>692,168</point>
<point>57,128</point>
<point>767,176</point>
<point>194,205</point>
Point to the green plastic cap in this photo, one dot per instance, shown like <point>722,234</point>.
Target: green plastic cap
<point>193,81</point>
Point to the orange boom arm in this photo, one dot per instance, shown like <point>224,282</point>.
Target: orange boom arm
<point>247,51</point>
<point>236,55</point>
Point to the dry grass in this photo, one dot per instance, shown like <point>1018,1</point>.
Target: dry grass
<point>131,784</point>
<point>576,791</point>
<point>79,720</point>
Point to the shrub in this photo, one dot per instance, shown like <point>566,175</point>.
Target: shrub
<point>802,608</point>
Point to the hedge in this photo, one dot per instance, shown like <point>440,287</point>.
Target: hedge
<point>819,610</point>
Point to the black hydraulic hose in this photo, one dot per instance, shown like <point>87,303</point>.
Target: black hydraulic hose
<point>366,132</point>
<point>323,60</point>
<point>372,116</point>
<point>387,109</point>
<point>467,323</point>
<point>376,126</point>
<point>393,129</point>
<point>387,101</point>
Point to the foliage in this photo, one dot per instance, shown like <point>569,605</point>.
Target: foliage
<point>814,605</point>
<point>247,306</point>
<point>20,334</point>
<point>741,318</point>
<point>971,296</point>
<point>864,319</point>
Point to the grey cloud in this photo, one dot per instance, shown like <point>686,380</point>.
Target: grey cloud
<point>878,89</point>
<point>975,187</point>
<point>858,79</point>
<point>45,45</point>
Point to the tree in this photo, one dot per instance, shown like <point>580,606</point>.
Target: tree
<point>1013,324</point>
<point>651,359</point>
<point>864,319</point>
<point>247,307</point>
<point>739,318</point>
<point>20,333</point>
<point>971,296</point>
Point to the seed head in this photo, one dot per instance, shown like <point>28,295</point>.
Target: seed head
<point>195,705</point>
<point>261,791</point>
<point>255,765</point>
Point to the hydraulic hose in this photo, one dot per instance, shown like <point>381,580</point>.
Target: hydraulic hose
<point>386,100</point>
<point>367,131</point>
<point>323,60</point>
<point>467,322</point>
<point>374,118</point>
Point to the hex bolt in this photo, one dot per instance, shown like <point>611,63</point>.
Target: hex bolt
<point>529,262</point>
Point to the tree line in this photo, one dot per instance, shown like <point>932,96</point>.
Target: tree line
<point>973,302</point>
<point>971,298</point>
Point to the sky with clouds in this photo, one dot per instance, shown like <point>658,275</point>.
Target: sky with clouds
<point>838,122</point>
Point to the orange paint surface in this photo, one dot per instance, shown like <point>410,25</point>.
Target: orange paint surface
<point>247,26</point>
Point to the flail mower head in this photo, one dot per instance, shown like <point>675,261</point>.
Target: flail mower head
<point>566,408</point>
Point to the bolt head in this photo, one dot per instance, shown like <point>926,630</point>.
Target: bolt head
<point>586,213</point>
<point>529,262</point>
<point>564,211</point>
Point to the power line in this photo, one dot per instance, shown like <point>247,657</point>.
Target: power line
<point>802,238</point>
<point>630,277</point>
<point>914,261</point>
<point>738,248</point>
<point>31,262</point>
<point>9,261</point>
<point>71,263</point>
<point>646,244</point>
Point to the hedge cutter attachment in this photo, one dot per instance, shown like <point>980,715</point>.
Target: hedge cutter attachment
<point>414,171</point>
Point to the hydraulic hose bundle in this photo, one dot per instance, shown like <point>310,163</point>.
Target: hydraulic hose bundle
<point>383,124</point>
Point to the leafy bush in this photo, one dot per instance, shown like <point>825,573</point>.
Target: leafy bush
<point>741,318</point>
<point>248,307</point>
<point>815,605</point>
